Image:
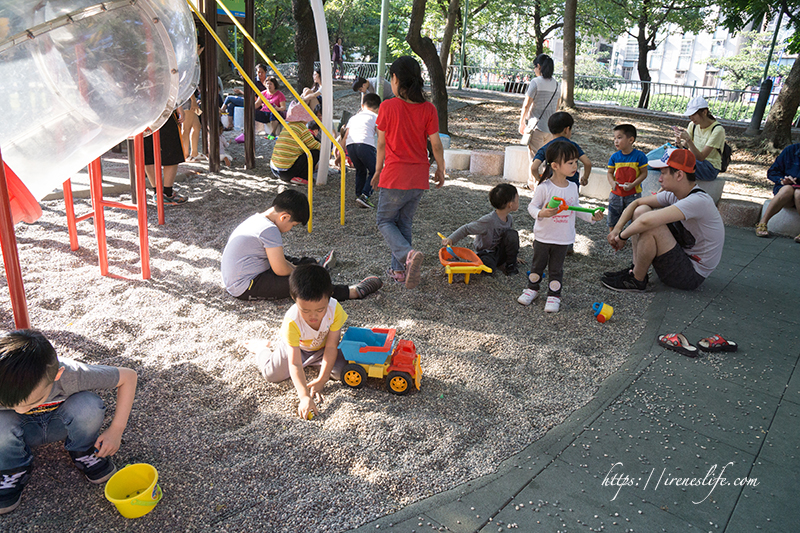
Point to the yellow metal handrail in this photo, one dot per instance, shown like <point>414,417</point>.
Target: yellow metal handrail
<point>277,115</point>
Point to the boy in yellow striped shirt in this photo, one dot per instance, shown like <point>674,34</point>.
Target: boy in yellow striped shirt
<point>289,162</point>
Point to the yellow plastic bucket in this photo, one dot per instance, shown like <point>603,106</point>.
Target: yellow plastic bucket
<point>134,490</point>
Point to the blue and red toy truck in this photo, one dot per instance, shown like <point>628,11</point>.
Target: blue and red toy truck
<point>375,353</point>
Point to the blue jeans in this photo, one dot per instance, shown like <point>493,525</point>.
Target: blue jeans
<point>363,157</point>
<point>76,421</point>
<point>705,171</point>
<point>232,102</point>
<point>396,208</point>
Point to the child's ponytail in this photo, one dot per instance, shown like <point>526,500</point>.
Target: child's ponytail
<point>409,79</point>
<point>546,174</point>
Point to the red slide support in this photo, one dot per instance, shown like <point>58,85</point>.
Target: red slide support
<point>10,256</point>
<point>98,205</point>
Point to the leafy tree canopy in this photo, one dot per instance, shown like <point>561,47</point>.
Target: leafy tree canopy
<point>737,14</point>
<point>274,30</point>
<point>358,22</point>
<point>508,29</point>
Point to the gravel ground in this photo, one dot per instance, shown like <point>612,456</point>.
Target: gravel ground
<point>230,453</point>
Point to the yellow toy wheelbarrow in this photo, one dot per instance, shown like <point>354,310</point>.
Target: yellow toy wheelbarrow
<point>457,260</point>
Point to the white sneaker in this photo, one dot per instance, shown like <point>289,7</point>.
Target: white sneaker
<point>552,305</point>
<point>527,296</point>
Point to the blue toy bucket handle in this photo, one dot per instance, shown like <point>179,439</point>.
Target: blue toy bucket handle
<point>597,307</point>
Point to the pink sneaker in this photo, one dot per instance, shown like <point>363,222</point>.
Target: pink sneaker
<point>413,269</point>
<point>397,277</point>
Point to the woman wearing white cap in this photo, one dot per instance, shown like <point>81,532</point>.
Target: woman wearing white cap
<point>704,137</point>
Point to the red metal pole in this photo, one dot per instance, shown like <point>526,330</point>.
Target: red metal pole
<point>141,205</point>
<point>8,241</point>
<point>159,176</point>
<point>96,191</point>
<point>69,207</point>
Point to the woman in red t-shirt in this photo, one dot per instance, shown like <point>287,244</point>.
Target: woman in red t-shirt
<point>405,124</point>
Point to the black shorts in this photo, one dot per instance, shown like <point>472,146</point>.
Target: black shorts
<point>171,147</point>
<point>675,269</point>
<point>270,286</point>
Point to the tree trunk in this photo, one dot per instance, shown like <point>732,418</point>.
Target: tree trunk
<point>305,42</point>
<point>449,30</point>
<point>424,48</point>
<point>568,75</point>
<point>537,27</point>
<point>644,72</point>
<point>778,128</point>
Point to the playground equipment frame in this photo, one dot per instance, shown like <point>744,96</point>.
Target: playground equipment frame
<point>322,39</point>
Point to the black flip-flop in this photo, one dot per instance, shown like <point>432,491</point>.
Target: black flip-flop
<point>716,343</point>
<point>677,343</point>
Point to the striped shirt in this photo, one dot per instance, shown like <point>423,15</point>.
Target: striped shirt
<point>287,150</point>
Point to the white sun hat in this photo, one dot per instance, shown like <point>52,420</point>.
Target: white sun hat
<point>695,104</point>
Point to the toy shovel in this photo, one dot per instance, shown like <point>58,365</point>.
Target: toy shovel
<point>562,205</point>
<point>451,252</point>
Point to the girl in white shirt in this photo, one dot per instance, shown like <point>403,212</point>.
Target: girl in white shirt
<point>554,231</point>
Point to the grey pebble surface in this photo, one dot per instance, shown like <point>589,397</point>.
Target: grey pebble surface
<point>230,451</point>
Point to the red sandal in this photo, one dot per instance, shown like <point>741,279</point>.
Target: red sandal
<point>715,343</point>
<point>677,343</point>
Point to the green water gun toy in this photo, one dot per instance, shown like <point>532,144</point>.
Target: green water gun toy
<point>561,204</point>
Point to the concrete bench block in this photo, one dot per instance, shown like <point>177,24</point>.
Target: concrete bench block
<point>786,222</point>
<point>740,213</point>
<point>713,188</point>
<point>650,185</point>
<point>516,166</point>
<point>238,121</point>
<point>238,118</point>
<point>598,186</point>
<point>486,162</point>
<point>457,159</point>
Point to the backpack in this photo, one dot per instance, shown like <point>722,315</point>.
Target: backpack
<point>683,236</point>
<point>726,153</point>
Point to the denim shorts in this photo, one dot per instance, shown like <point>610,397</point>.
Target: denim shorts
<point>617,204</point>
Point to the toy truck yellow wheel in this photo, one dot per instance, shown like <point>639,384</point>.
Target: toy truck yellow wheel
<point>354,376</point>
<point>399,382</point>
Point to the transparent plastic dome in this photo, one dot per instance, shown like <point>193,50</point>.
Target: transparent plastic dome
<point>180,27</point>
<point>79,77</point>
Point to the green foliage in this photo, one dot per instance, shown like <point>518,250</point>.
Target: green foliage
<point>652,16</point>
<point>358,23</point>
<point>736,14</point>
<point>274,30</point>
<point>647,20</point>
<point>745,69</point>
<point>590,72</point>
<point>506,29</point>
